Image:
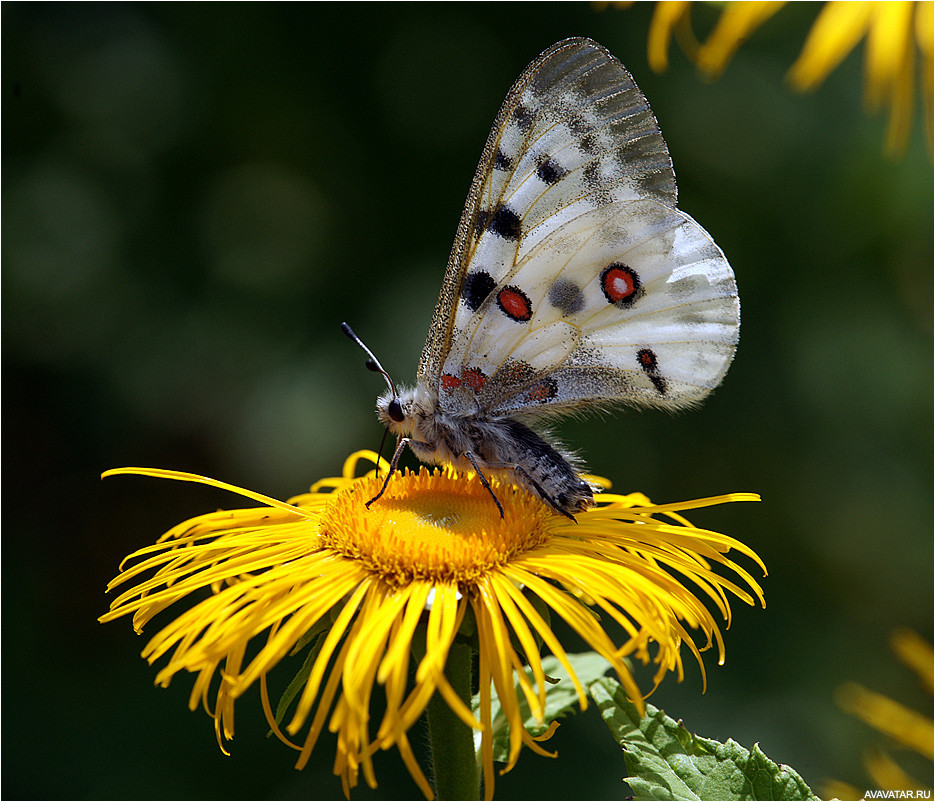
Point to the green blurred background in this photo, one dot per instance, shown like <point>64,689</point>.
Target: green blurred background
<point>194,197</point>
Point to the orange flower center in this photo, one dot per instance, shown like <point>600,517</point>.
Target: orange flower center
<point>441,526</point>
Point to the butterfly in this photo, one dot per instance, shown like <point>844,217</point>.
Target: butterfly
<point>574,284</point>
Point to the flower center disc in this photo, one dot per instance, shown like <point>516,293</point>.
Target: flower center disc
<point>441,525</point>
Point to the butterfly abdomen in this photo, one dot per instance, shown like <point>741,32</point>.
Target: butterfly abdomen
<point>547,468</point>
<point>502,445</point>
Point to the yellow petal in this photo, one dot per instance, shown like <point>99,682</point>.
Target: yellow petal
<point>889,44</point>
<point>925,37</point>
<point>665,17</point>
<point>915,653</point>
<point>925,20</point>
<point>889,717</point>
<point>902,100</point>
<point>887,773</point>
<point>735,24</point>
<point>836,31</point>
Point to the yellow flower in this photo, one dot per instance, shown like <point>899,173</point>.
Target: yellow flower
<point>894,31</point>
<point>904,726</point>
<point>424,570</point>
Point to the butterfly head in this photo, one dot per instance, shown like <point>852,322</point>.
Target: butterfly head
<point>398,410</point>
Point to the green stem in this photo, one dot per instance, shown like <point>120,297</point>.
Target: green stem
<point>452,741</point>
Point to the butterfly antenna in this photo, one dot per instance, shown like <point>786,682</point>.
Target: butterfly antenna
<point>372,362</point>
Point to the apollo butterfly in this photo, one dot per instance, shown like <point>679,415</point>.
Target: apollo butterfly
<point>574,283</point>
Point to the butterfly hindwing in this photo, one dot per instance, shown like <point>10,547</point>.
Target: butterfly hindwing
<point>629,303</point>
<point>574,134</point>
<point>650,309</point>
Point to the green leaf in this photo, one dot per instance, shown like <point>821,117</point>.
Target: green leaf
<point>309,636</point>
<point>299,680</point>
<point>561,698</point>
<point>666,761</point>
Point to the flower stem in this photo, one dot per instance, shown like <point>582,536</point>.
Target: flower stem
<point>452,741</point>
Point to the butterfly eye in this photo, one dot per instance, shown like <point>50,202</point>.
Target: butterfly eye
<point>395,410</point>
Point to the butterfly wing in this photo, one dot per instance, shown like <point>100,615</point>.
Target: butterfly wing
<point>574,280</point>
<point>573,134</point>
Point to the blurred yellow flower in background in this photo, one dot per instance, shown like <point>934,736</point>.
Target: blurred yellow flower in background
<point>897,35</point>
<point>905,727</point>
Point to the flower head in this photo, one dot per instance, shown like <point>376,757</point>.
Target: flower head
<point>431,562</point>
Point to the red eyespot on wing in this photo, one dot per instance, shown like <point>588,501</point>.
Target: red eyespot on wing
<point>450,382</point>
<point>620,284</point>
<point>515,304</point>
<point>474,378</point>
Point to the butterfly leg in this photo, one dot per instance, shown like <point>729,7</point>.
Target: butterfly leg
<point>538,488</point>
<point>400,447</point>
<point>484,481</point>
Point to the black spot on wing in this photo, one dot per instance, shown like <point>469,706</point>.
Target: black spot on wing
<point>524,118</point>
<point>477,286</point>
<point>550,171</point>
<point>564,294</point>
<point>594,175</point>
<point>646,358</point>
<point>502,161</point>
<point>504,222</point>
<point>542,392</point>
<point>514,373</point>
<point>598,183</point>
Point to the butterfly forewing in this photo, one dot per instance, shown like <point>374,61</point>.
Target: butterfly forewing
<point>574,134</point>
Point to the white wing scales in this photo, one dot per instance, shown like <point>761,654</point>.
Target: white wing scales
<point>574,280</point>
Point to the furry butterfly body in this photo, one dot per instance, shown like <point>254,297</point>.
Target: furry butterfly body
<point>574,284</point>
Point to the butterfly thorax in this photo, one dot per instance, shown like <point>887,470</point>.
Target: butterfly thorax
<point>498,445</point>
